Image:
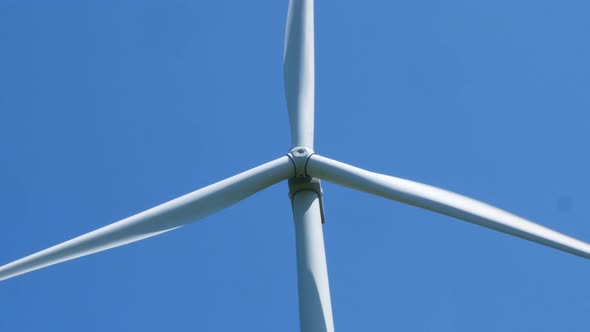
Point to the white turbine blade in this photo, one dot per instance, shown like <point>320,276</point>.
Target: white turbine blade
<point>299,71</point>
<point>160,219</point>
<point>442,201</point>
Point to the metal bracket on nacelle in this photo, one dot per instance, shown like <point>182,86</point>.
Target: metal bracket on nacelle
<point>299,184</point>
<point>301,181</point>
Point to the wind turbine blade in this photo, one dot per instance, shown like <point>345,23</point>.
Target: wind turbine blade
<point>299,71</point>
<point>160,219</point>
<point>442,201</point>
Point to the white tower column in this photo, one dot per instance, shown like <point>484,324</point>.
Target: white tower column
<point>315,307</point>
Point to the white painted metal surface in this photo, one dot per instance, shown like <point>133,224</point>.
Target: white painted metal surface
<point>315,307</point>
<point>299,71</point>
<point>160,219</point>
<point>442,201</point>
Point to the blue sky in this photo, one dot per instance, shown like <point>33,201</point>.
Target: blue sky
<point>108,108</point>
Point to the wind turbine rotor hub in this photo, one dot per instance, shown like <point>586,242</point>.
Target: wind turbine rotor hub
<point>299,156</point>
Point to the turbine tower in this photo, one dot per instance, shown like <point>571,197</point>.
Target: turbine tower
<point>303,169</point>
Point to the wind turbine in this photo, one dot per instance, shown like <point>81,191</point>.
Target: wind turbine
<point>302,167</point>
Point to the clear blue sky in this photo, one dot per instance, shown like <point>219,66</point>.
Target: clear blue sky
<point>110,107</point>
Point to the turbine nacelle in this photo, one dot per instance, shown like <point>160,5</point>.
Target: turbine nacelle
<point>300,155</point>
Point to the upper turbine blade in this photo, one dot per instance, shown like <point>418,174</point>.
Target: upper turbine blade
<point>160,219</point>
<point>299,71</point>
<point>442,201</point>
